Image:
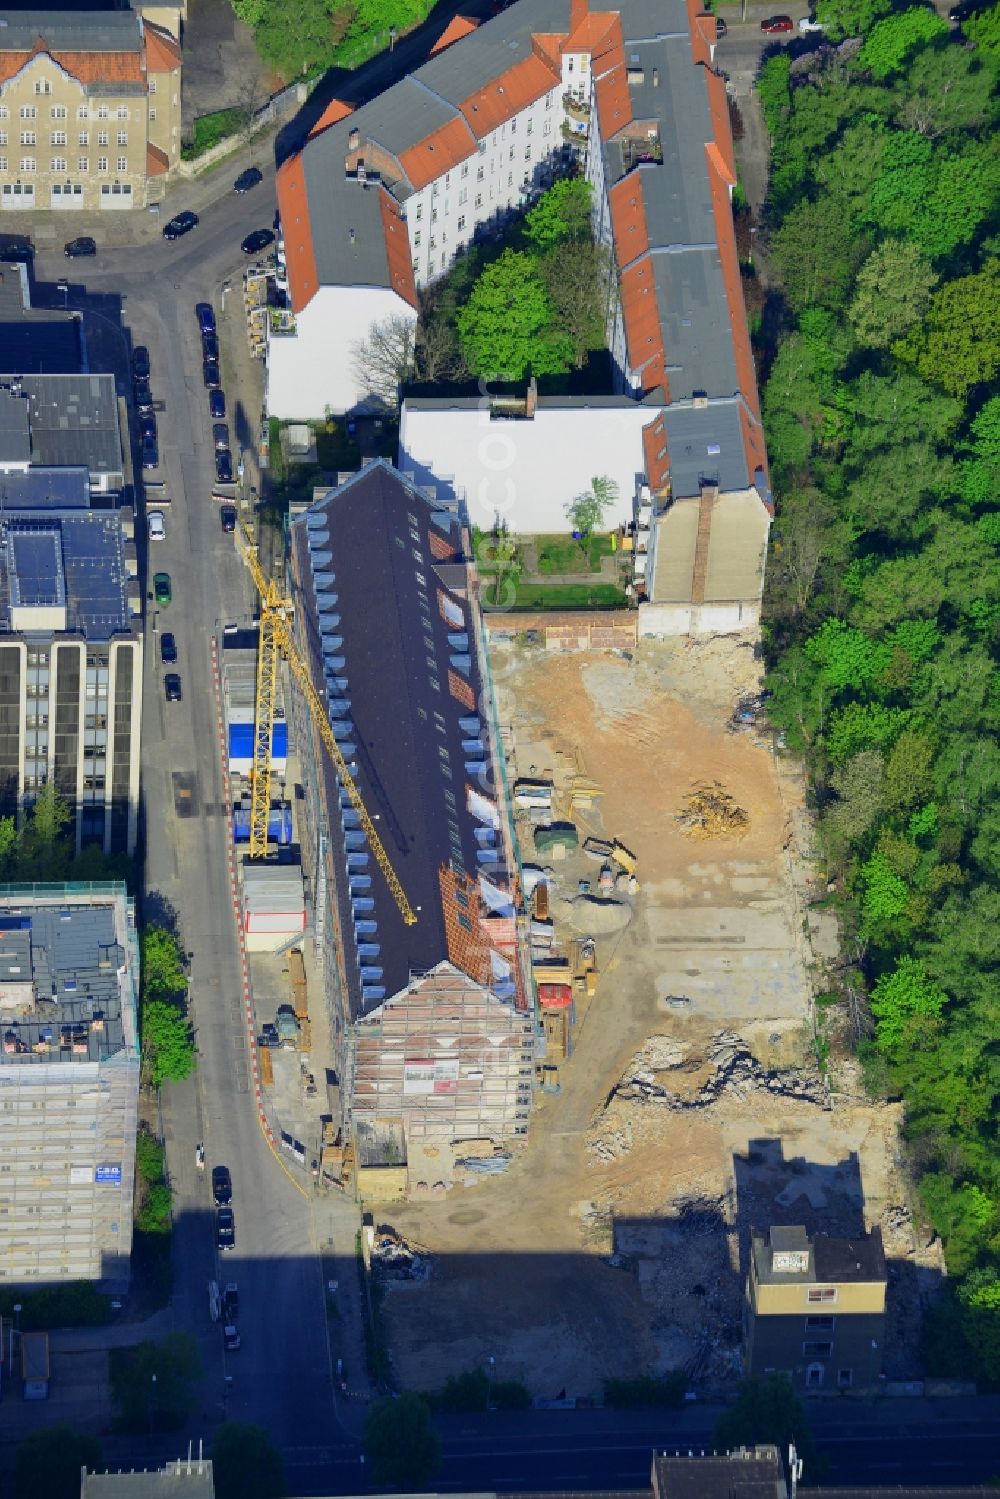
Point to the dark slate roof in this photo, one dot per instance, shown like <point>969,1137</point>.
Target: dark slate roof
<point>73,419</point>
<point>492,49</point>
<point>705,444</point>
<point>46,489</point>
<point>404,114</point>
<point>369,616</point>
<point>15,431</point>
<point>757,1474</point>
<point>72,30</point>
<point>39,340</point>
<point>831,1261</point>
<point>67,558</point>
<point>348,237</point>
<point>74,962</point>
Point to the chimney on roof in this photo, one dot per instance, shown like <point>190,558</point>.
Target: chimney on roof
<point>354,140</point>
<point>656,77</point>
<point>531,399</point>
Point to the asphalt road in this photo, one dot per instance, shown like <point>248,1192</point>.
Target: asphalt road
<point>281,1376</point>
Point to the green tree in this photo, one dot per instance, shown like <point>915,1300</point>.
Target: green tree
<point>506,325</point>
<point>813,257</point>
<point>562,213</point>
<point>43,847</point>
<point>847,657</point>
<point>575,276</point>
<point>587,511</point>
<point>48,1463</point>
<point>250,12</point>
<point>246,1464</point>
<point>891,294</point>
<point>965,1215</point>
<point>767,1410</point>
<point>168,1052</point>
<point>984,29</point>
<point>154,1385</point>
<point>894,39</point>
<point>908,771</point>
<point>979,1300</point>
<point>902,997</point>
<point>947,89</point>
<point>979,471</point>
<point>293,45</point>
<point>850,17</point>
<point>402,1448</point>
<point>161,963</point>
<point>959,345</point>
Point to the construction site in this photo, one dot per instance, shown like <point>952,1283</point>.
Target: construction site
<point>676,945</point>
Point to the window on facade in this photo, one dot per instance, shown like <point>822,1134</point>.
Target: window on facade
<point>3,137</point>
<point>527,153</point>
<point>513,127</point>
<point>461,221</point>
<point>123,163</point>
<point>817,1349</point>
<point>814,1376</point>
<point>531,127</point>
<point>58,164</point>
<point>102,163</point>
<point>480,174</point>
<point>4,112</point>
<point>81,112</point>
<point>102,137</point>
<point>58,137</point>
<point>479,200</point>
<point>42,86</point>
<point>821,1293</point>
<point>845,1378</point>
<point>58,112</point>
<point>430,265</point>
<point>512,153</point>
<point>123,137</point>
<point>83,164</point>
<point>547,128</point>
<point>152,116</point>
<point>819,1324</point>
<point>102,111</point>
<point>152,85</point>
<point>28,111</point>
<point>419,213</point>
<point>123,111</point>
<point>570,65</point>
<point>27,163</point>
<point>510,179</point>
<point>27,138</point>
<point>465,169</point>
<point>434,215</point>
<point>416,240</point>
<point>3,163</point>
<point>83,139</point>
<point>463,196</point>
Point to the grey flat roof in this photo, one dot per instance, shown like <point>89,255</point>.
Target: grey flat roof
<point>72,30</point>
<point>371,619</point>
<point>73,558</point>
<point>73,420</point>
<point>403,115</point>
<point>544,403</point>
<point>15,431</point>
<point>492,49</point>
<point>37,339</point>
<point>75,958</point>
<point>347,234</point>
<point>46,489</point>
<point>706,444</point>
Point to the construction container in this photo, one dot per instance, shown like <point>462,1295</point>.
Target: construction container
<point>279,826</point>
<point>556,1030</point>
<point>555,996</point>
<point>531,792</point>
<point>266,1066</point>
<point>241,747</point>
<point>555,971</point>
<point>35,1365</point>
<point>542,901</point>
<point>297,975</point>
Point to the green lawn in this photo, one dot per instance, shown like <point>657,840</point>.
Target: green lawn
<point>568,596</point>
<point>209,130</point>
<point>561,554</point>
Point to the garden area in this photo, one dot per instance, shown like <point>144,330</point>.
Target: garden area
<point>882,415</point>
<point>211,129</point>
<point>305,38</point>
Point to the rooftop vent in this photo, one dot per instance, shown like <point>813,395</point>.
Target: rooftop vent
<point>354,140</point>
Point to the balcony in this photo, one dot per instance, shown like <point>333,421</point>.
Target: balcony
<point>577,108</point>
<point>575,135</point>
<point>642,151</point>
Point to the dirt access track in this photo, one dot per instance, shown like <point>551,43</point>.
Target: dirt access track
<point>613,1243</point>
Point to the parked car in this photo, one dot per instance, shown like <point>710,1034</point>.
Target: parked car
<point>150,453</point>
<point>776,24</point>
<point>248,179</point>
<point>209,346</point>
<point>172,687</point>
<point>147,424</point>
<point>162,591</point>
<point>140,363</point>
<point>206,317</point>
<point>257,241</point>
<point>168,649</point>
<point>82,245</point>
<point>806,25</point>
<point>224,466</point>
<point>720,27</point>
<point>222,1186</point>
<point>231,1337</point>
<point>216,404</point>
<point>210,373</point>
<point>143,396</point>
<point>181,223</point>
<point>225,1229</point>
<point>156,525</point>
<point>220,435</point>
<point>227,519</point>
<point>231,1301</point>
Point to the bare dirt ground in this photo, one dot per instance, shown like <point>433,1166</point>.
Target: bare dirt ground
<point>615,1241</point>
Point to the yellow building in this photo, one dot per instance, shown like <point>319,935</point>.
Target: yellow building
<point>815,1308</point>
<point>90,110</point>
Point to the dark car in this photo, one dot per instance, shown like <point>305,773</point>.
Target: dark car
<point>216,404</point>
<point>147,424</point>
<point>168,649</point>
<point>220,435</point>
<point>231,1301</point>
<point>248,179</point>
<point>209,346</point>
<point>172,687</point>
<point>150,453</point>
<point>774,25</point>
<point>206,317</point>
<point>224,466</point>
<point>82,245</point>
<point>162,590</point>
<point>222,1186</point>
<point>181,223</point>
<point>225,1229</point>
<point>210,373</point>
<point>227,519</point>
<point>143,396</point>
<point>140,363</point>
<point>257,241</point>
<point>720,27</point>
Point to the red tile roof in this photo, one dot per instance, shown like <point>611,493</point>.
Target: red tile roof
<point>521,85</point>
<point>614,105</point>
<point>163,54</point>
<point>438,153</point>
<point>642,326</point>
<point>628,219</point>
<point>86,67</point>
<point>300,256</point>
<point>334,112</point>
<point>456,29</point>
<point>157,161</point>
<point>654,447</point>
<point>703,31</point>
<point>397,249</point>
<point>721,153</point>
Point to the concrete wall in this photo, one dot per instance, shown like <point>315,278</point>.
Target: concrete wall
<point>525,472</point>
<point>312,370</point>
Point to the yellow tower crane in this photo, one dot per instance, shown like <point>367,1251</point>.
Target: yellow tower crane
<point>276,639</point>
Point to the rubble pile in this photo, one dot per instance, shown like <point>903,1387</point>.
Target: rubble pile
<point>394,1259</point>
<point>710,812</point>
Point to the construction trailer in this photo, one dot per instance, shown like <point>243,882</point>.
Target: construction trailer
<point>35,1365</point>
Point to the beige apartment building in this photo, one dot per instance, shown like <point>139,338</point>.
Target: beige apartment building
<point>90,110</point>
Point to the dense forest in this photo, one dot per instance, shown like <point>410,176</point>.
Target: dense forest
<point>882,328</point>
